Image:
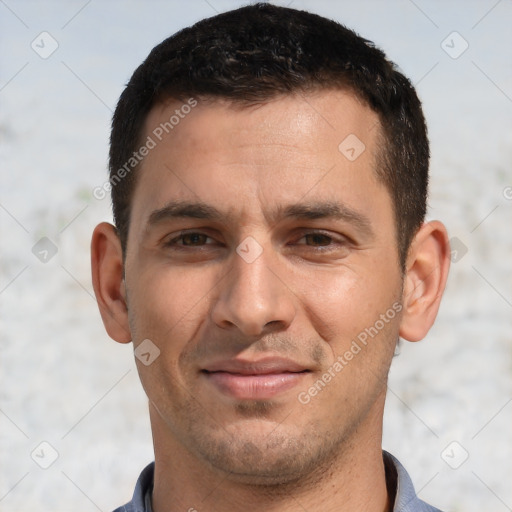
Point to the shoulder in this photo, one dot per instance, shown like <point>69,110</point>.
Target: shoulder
<point>406,499</point>
<point>143,487</point>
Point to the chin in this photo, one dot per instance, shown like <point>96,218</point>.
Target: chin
<point>264,453</point>
<point>251,466</point>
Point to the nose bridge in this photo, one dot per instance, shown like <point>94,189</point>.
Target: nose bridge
<point>251,281</point>
<point>253,296</point>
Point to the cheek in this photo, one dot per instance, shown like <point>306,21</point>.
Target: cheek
<point>168,304</point>
<point>357,314</point>
<point>347,301</point>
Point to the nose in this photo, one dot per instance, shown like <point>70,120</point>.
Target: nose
<point>254,296</point>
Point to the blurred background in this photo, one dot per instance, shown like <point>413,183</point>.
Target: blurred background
<point>74,428</point>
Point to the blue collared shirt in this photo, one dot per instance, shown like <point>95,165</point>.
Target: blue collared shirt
<point>405,500</point>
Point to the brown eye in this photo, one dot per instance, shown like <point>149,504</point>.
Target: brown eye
<point>193,239</point>
<point>318,239</point>
<point>190,239</point>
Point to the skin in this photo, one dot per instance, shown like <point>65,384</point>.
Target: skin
<point>316,285</point>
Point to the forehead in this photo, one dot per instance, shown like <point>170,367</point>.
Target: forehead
<point>292,119</point>
<point>249,159</point>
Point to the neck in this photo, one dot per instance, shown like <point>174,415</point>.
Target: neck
<point>354,480</point>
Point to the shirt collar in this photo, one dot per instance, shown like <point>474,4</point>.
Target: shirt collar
<point>405,497</point>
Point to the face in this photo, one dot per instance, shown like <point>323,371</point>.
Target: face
<point>262,263</point>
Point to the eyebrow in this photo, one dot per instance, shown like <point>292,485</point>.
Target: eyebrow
<point>299,211</point>
<point>184,209</point>
<point>325,210</point>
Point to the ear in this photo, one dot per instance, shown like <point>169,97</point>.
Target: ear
<point>108,282</point>
<point>427,268</point>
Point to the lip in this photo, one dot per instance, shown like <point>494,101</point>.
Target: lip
<point>262,366</point>
<point>255,380</point>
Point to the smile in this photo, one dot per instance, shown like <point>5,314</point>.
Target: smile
<point>261,380</point>
<point>254,387</point>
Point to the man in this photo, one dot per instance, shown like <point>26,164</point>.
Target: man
<point>269,175</point>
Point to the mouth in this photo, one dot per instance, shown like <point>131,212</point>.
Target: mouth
<point>254,380</point>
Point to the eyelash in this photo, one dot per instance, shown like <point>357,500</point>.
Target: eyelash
<point>320,248</point>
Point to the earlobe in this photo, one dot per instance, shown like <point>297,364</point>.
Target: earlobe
<point>426,274</point>
<point>108,281</point>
